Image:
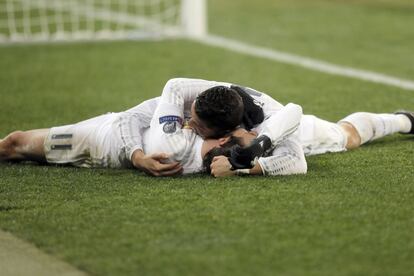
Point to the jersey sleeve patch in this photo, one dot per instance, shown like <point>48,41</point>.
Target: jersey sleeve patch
<point>170,118</point>
<point>170,127</point>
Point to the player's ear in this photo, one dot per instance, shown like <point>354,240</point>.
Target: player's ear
<point>224,140</point>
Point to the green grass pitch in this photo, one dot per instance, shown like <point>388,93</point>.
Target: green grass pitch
<point>352,214</point>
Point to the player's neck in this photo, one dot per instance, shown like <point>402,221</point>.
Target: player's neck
<point>208,145</point>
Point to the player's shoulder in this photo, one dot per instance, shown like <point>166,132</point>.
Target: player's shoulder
<point>181,146</point>
<point>183,80</point>
<point>175,135</point>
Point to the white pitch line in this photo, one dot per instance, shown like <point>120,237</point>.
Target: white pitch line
<point>309,63</point>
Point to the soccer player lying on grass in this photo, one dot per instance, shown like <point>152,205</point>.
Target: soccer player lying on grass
<point>206,115</point>
<point>119,139</point>
<point>314,136</point>
<point>108,140</point>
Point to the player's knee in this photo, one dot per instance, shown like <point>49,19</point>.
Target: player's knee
<point>354,141</point>
<point>352,135</point>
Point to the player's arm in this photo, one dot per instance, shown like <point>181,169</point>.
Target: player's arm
<point>288,158</point>
<point>221,167</point>
<point>177,92</point>
<point>166,130</point>
<point>183,91</point>
<point>277,127</point>
<point>131,125</point>
<point>155,164</point>
<point>282,123</point>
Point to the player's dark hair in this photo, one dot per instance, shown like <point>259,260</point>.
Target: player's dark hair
<point>223,150</point>
<point>253,113</point>
<point>220,108</point>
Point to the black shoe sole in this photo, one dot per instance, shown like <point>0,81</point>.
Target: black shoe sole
<point>410,115</point>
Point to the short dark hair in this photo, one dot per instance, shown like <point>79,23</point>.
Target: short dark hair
<point>217,151</point>
<point>220,108</point>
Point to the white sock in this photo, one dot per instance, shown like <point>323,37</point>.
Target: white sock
<point>371,126</point>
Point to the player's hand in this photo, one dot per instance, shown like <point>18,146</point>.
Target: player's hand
<point>221,167</point>
<point>155,164</point>
<point>242,158</point>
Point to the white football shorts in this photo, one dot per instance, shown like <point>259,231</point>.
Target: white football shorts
<point>318,136</point>
<point>91,144</point>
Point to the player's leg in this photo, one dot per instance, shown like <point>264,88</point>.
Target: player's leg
<point>353,139</point>
<point>24,145</point>
<point>363,127</point>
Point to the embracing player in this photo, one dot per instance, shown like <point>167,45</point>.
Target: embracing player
<point>286,143</point>
<point>120,139</point>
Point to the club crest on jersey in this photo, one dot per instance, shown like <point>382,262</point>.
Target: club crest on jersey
<point>169,127</point>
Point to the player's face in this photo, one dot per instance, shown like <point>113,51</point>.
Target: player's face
<point>246,137</point>
<point>198,126</point>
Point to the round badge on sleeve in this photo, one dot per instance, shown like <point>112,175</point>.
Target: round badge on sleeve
<point>169,127</point>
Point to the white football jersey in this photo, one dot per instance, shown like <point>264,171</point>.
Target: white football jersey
<point>156,125</point>
<point>183,92</point>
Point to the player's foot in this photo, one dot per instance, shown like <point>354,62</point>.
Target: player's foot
<point>410,115</point>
